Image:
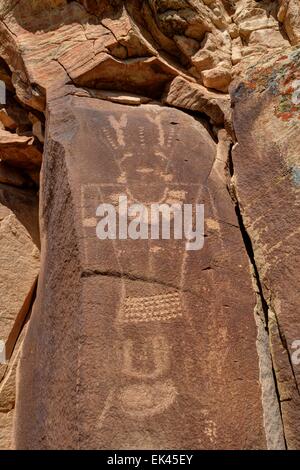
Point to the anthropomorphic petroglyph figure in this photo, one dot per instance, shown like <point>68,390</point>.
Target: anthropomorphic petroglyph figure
<point>153,342</point>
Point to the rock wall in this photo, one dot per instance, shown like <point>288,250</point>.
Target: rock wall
<point>267,188</point>
<point>125,338</point>
<point>19,268</point>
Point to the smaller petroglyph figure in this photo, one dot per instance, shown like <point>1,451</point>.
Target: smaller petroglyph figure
<point>147,360</point>
<point>155,354</point>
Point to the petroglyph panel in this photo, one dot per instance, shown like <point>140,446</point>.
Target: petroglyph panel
<point>165,339</point>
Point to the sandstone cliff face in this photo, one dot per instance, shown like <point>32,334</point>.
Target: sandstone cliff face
<point>270,206</point>
<point>19,268</point>
<point>143,344</point>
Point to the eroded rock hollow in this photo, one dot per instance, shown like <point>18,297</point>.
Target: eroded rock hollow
<point>143,343</point>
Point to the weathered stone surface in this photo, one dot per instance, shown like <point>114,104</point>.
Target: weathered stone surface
<point>213,60</point>
<point>218,78</point>
<point>252,16</point>
<point>110,53</point>
<point>187,95</point>
<point>267,179</point>
<point>19,268</point>
<point>19,150</point>
<point>236,52</point>
<point>6,420</point>
<point>19,260</point>
<point>289,15</point>
<point>8,382</point>
<point>37,127</point>
<point>268,38</point>
<point>6,120</point>
<point>13,116</point>
<point>122,46</point>
<point>24,203</point>
<point>129,99</point>
<point>152,346</point>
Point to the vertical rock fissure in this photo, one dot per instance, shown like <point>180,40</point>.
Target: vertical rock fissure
<point>284,344</point>
<point>271,402</point>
